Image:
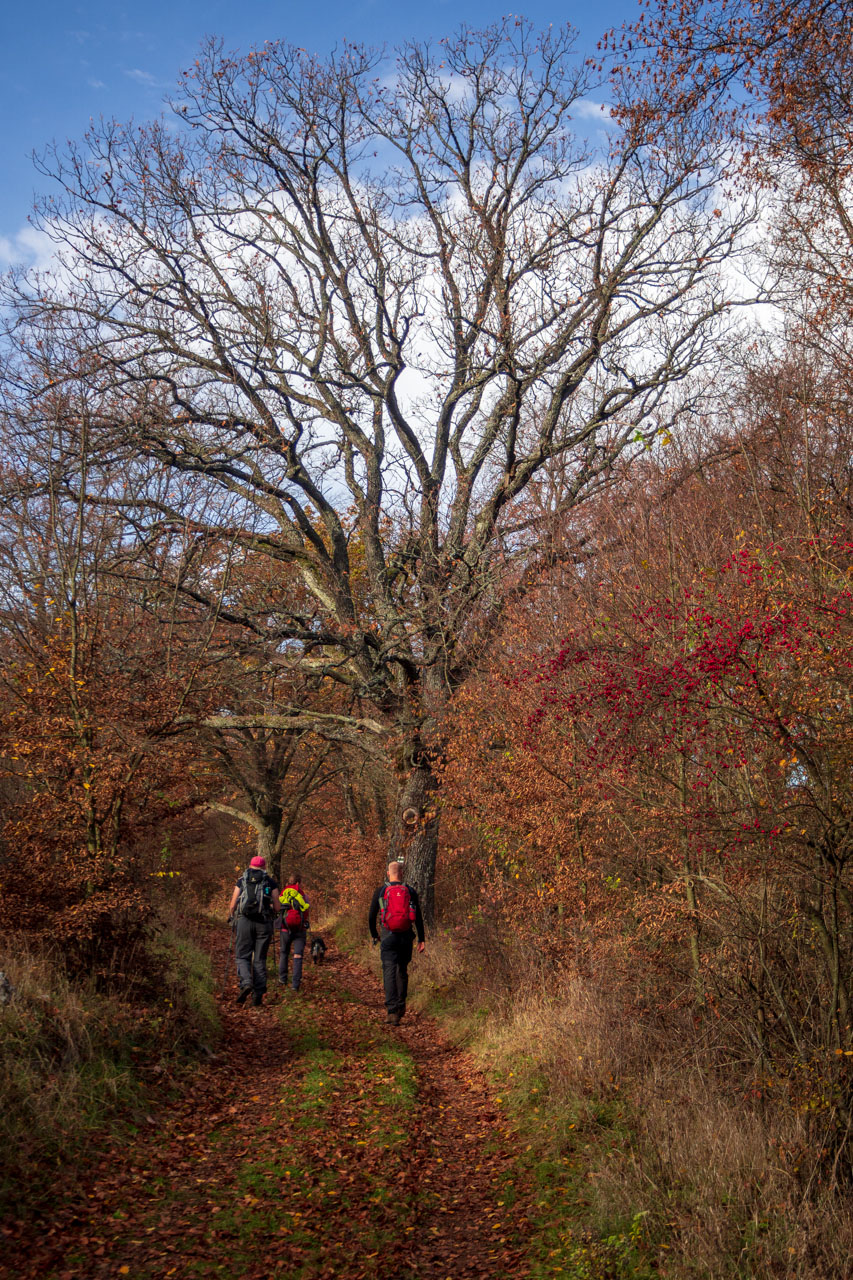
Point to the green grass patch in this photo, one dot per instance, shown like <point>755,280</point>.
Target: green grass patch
<point>390,1091</point>
<point>563,1146</point>
<point>188,974</point>
<point>305,1103</point>
<point>394,1068</point>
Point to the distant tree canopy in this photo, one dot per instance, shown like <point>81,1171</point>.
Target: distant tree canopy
<point>360,307</point>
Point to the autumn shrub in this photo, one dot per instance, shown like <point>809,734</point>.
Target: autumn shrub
<point>94,781</point>
<point>655,761</point>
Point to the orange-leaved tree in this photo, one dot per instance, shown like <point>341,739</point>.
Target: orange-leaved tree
<point>101,678</point>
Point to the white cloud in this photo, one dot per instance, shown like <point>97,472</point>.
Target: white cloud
<point>144,78</point>
<point>587,109</point>
<point>27,247</point>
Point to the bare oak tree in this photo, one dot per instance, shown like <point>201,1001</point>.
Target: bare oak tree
<point>272,764</point>
<point>368,304</point>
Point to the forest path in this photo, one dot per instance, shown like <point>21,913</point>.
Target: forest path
<point>320,1143</point>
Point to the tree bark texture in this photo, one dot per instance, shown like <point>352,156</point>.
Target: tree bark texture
<point>415,841</point>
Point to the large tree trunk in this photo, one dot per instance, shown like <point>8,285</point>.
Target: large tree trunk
<point>354,813</point>
<point>269,825</point>
<point>414,836</point>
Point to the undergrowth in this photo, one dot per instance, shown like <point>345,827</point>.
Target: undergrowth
<point>646,1159</point>
<point>74,1058</point>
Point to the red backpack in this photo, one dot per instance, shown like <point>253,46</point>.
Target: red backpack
<point>396,910</point>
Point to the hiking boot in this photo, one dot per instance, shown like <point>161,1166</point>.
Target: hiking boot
<point>244,995</point>
<point>258,999</point>
<point>394,1019</point>
<point>391,1017</point>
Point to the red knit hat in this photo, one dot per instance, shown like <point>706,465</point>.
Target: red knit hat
<point>258,861</point>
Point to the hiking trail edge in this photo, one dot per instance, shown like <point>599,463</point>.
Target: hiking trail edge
<point>318,1144</point>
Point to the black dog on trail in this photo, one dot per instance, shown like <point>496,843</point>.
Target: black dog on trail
<point>318,950</point>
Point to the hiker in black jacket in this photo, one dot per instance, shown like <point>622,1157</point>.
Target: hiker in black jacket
<point>395,904</point>
<point>254,925</point>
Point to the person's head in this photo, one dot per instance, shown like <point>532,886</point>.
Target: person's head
<point>395,870</point>
<point>258,861</point>
<point>296,881</point>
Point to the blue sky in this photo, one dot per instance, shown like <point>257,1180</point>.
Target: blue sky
<point>63,63</point>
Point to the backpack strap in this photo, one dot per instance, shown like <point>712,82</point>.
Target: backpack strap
<point>264,892</point>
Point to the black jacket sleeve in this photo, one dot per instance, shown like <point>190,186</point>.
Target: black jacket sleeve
<point>419,920</point>
<point>374,912</point>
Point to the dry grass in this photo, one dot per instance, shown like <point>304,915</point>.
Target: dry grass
<point>733,1186</point>
<point>652,1155</point>
<point>646,1128</point>
<point>60,1069</point>
<point>71,1057</point>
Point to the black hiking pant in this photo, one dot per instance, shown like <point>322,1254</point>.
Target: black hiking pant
<point>395,950</point>
<point>292,938</point>
<point>250,951</point>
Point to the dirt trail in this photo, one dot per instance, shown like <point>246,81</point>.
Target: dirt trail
<point>320,1143</point>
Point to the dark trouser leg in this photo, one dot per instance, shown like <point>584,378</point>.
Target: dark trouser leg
<point>396,952</point>
<point>244,949</point>
<point>263,938</point>
<point>298,952</point>
<point>286,939</point>
<point>403,982</point>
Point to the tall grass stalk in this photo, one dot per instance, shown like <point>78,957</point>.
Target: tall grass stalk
<point>655,1157</point>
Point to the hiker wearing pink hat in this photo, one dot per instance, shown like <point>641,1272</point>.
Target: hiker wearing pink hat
<point>254,904</point>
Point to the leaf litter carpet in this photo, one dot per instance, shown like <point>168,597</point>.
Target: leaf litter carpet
<point>318,1143</point>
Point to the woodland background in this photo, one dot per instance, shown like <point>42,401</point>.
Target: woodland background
<point>388,472</point>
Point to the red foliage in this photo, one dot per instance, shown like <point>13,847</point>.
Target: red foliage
<point>660,763</point>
